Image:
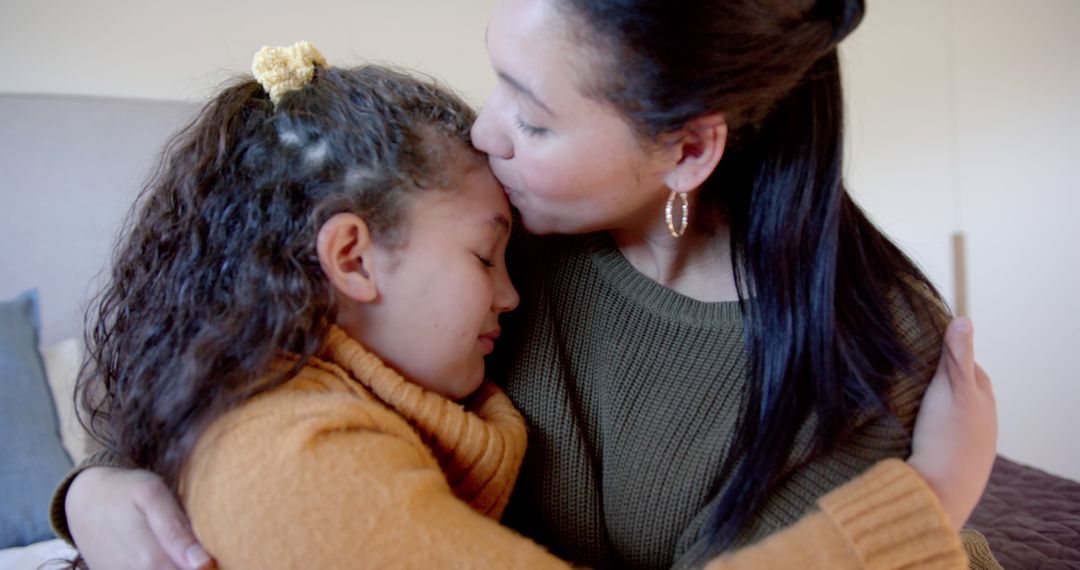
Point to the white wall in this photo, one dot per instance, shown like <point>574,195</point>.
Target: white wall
<point>963,116</point>
<point>161,49</point>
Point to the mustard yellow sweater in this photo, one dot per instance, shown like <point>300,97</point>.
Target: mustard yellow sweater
<point>349,465</point>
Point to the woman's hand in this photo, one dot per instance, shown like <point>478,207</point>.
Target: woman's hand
<point>955,439</point>
<point>121,518</point>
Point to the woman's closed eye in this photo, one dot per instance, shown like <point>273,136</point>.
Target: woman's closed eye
<point>530,129</point>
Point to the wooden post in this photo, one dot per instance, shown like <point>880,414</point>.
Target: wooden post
<point>960,298</point>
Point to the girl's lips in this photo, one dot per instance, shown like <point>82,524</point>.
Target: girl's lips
<point>487,340</point>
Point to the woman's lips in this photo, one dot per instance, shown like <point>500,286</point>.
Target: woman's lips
<point>513,196</point>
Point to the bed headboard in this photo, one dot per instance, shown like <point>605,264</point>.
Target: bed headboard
<point>70,168</point>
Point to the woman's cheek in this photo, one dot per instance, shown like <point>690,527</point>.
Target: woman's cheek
<point>542,178</point>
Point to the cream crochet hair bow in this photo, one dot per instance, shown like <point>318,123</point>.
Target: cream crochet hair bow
<point>283,69</point>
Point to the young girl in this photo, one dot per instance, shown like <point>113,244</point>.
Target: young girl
<point>313,281</point>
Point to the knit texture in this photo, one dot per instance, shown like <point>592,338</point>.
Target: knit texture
<point>57,514</point>
<point>859,528</point>
<point>632,392</point>
<point>348,464</point>
<point>978,550</point>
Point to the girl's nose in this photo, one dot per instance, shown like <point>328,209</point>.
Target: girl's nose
<point>506,296</point>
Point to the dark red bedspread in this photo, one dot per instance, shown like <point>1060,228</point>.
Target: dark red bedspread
<point>1030,518</point>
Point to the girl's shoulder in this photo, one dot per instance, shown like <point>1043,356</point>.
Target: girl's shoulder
<point>320,395</point>
<point>318,404</point>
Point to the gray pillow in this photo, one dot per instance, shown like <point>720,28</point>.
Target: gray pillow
<point>32,456</point>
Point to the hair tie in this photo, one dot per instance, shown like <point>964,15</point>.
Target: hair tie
<point>843,16</point>
<point>283,69</point>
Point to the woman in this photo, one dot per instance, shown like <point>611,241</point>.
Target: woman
<point>720,336</point>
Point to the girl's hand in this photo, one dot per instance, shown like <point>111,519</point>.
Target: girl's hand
<point>955,438</point>
<point>121,518</point>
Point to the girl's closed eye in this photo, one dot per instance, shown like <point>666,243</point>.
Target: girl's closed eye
<point>530,129</point>
<point>486,261</point>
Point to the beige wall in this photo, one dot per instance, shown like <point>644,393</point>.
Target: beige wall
<point>161,49</point>
<point>963,116</point>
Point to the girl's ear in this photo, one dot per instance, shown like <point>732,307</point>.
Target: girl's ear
<point>347,256</point>
<point>695,150</point>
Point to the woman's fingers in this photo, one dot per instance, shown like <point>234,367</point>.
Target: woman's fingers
<point>171,528</point>
<point>128,519</point>
<point>959,356</point>
<point>983,378</point>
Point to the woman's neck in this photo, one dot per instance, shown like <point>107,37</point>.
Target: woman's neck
<point>697,265</point>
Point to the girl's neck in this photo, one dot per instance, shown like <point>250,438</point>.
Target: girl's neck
<point>697,265</point>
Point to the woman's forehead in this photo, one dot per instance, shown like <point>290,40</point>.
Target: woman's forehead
<point>536,49</point>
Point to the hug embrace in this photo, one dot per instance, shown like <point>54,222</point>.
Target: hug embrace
<point>626,317</point>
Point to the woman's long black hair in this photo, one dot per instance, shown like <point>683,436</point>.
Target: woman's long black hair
<point>818,281</point>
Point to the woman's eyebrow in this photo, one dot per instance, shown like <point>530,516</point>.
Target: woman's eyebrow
<point>517,85</point>
<point>522,89</point>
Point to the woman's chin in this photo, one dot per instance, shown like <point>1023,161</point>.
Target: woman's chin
<point>539,224</point>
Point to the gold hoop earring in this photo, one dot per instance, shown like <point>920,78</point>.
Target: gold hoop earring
<point>685,214</point>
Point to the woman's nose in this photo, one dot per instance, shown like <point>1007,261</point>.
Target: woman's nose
<point>488,136</point>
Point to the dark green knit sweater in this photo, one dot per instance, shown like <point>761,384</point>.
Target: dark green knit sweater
<point>631,392</point>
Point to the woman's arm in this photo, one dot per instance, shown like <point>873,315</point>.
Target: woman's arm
<point>825,539</point>
<point>127,519</point>
<point>953,450</point>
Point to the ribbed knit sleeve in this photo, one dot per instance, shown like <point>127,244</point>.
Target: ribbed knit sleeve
<point>887,519</point>
<point>57,512</point>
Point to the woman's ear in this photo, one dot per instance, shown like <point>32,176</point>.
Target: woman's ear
<point>696,149</point>
<point>346,255</point>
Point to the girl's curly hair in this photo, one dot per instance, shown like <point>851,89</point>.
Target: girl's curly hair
<point>216,272</point>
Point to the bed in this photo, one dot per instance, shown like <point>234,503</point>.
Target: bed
<point>1030,518</point>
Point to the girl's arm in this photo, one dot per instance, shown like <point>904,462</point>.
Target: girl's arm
<point>887,518</point>
<point>870,521</point>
